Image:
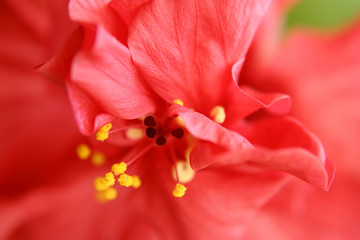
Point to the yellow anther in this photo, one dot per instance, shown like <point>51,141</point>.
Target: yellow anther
<point>179,121</point>
<point>109,179</point>
<point>103,132</point>
<point>98,158</point>
<point>179,190</point>
<point>100,184</point>
<point>119,168</point>
<point>178,101</point>
<point>83,151</point>
<point>183,171</point>
<point>102,136</point>
<point>106,128</point>
<point>134,133</point>
<point>126,180</point>
<point>218,114</point>
<point>136,182</point>
<point>106,195</point>
<point>110,194</point>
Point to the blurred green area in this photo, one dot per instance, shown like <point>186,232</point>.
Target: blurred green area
<point>324,14</point>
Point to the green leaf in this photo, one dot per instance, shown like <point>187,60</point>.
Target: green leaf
<point>325,14</point>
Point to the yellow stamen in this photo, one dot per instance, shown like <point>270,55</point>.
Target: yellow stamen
<point>106,128</point>
<point>103,132</point>
<point>99,184</point>
<point>137,182</point>
<point>218,114</point>
<point>119,168</point>
<point>83,151</point>
<point>98,158</point>
<point>102,136</point>
<point>126,180</point>
<point>110,194</point>
<point>178,101</point>
<point>135,133</point>
<point>109,179</point>
<point>106,195</point>
<point>179,190</point>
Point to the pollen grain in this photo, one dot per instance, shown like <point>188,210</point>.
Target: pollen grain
<point>98,158</point>
<point>218,114</point>
<point>136,182</point>
<point>103,132</point>
<point>109,179</point>
<point>119,168</point>
<point>179,102</point>
<point>83,151</point>
<point>134,133</point>
<point>106,195</point>
<point>125,180</point>
<point>179,190</point>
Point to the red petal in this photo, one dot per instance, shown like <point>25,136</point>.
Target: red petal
<point>228,198</point>
<point>268,36</point>
<point>57,69</point>
<point>299,212</point>
<point>126,8</point>
<point>240,102</point>
<point>186,49</point>
<point>323,80</point>
<point>98,12</point>
<point>281,144</point>
<point>276,103</point>
<point>206,129</point>
<point>34,136</point>
<point>106,76</point>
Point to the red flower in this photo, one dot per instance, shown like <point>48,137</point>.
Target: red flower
<point>130,60</point>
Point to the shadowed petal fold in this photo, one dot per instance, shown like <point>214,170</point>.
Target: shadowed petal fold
<point>106,74</point>
<point>98,12</point>
<point>57,69</point>
<point>276,103</point>
<point>126,8</point>
<point>241,101</point>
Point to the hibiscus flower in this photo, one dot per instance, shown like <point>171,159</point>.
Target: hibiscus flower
<point>163,75</point>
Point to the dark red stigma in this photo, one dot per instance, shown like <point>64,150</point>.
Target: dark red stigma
<point>149,121</point>
<point>160,140</point>
<point>178,133</point>
<point>150,132</point>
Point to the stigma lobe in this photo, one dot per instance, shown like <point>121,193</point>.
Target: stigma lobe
<point>178,133</point>
<point>160,140</point>
<point>150,132</point>
<point>150,121</point>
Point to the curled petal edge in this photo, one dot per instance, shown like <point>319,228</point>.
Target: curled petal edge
<point>295,161</point>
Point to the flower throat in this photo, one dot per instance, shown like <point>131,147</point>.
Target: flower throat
<point>151,132</point>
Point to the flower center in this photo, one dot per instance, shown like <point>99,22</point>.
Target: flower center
<point>154,131</point>
<point>159,132</point>
<point>144,134</point>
